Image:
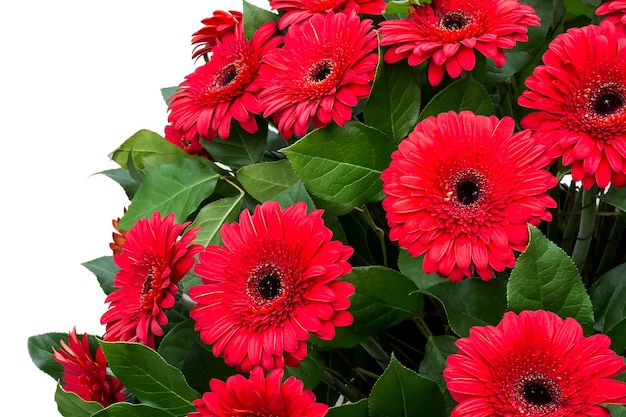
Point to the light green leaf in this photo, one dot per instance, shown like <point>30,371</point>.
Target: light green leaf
<point>40,350</point>
<point>211,217</point>
<point>149,150</point>
<point>123,178</point>
<point>71,405</point>
<point>463,94</point>
<point>608,295</point>
<point>132,410</point>
<point>264,180</point>
<point>254,17</point>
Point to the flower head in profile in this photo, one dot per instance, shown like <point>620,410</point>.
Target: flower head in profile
<point>225,88</point>
<point>447,32</point>
<point>325,66</point>
<point>461,189</point>
<point>157,253</point>
<point>580,94</point>
<point>614,12</point>
<point>298,11</point>
<point>534,364</point>
<point>214,29</point>
<point>119,236</point>
<point>85,376</point>
<point>258,396</point>
<point>272,284</point>
<point>190,145</point>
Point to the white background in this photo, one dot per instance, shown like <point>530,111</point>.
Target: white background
<point>78,78</point>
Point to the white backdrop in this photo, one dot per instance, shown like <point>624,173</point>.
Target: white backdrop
<point>78,78</point>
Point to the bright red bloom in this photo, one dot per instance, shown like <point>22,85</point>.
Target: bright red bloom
<point>447,32</point>
<point>225,88</point>
<point>534,364</point>
<point>298,11</point>
<point>273,283</point>
<point>326,65</point>
<point>258,396</point>
<point>85,376</point>
<point>615,12</point>
<point>191,145</point>
<point>580,92</point>
<point>214,29</point>
<point>461,190</point>
<point>154,258</point>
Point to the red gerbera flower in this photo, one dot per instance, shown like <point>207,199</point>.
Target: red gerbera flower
<point>580,92</point>
<point>534,364</point>
<point>448,31</point>
<point>461,189</point>
<point>258,396</point>
<point>191,145</point>
<point>326,65</point>
<point>85,376</point>
<point>272,284</point>
<point>214,29</point>
<point>224,88</point>
<point>615,12</point>
<point>154,258</point>
<point>297,11</point>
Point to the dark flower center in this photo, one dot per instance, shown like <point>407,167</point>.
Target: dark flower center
<point>538,394</point>
<point>455,20</point>
<point>608,103</point>
<point>320,71</point>
<point>467,192</point>
<point>269,285</point>
<point>266,284</point>
<point>226,75</point>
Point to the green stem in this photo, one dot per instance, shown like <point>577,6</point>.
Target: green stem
<point>422,326</point>
<point>585,229</point>
<point>379,232</point>
<point>365,372</point>
<point>186,301</point>
<point>376,351</point>
<point>332,380</point>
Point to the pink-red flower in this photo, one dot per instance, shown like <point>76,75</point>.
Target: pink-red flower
<point>214,29</point>
<point>156,255</point>
<point>615,11</point>
<point>534,364</point>
<point>447,32</point>
<point>580,94</point>
<point>325,66</point>
<point>225,88</point>
<point>461,189</point>
<point>258,396</point>
<point>298,11</point>
<point>85,376</point>
<point>272,284</point>
<point>191,145</point>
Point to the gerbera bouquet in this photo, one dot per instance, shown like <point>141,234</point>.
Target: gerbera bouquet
<point>370,208</point>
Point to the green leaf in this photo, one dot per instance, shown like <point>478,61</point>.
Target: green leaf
<point>40,350</point>
<point>71,405</point>
<point>342,164</point>
<point>616,196</point>
<point>383,298</point>
<point>294,194</point>
<point>397,8</point>
<point>545,278</point>
<point>463,94</point>
<point>394,104</point>
<point>309,371</point>
<point>254,17</point>
<point>240,149</point>
<point>167,92</point>
<point>146,374</point>
<point>264,180</point>
<point>123,178</point>
<point>438,348</point>
<point>357,409</point>
<point>132,410</point>
<point>176,343</point>
<point>402,392</point>
<point>173,188</point>
<point>211,217</point>
<point>149,150</point>
<point>617,410</point>
<point>608,296</point>
<point>105,269</point>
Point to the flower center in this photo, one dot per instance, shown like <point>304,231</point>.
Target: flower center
<point>537,394</point>
<point>266,284</point>
<point>226,75</point>
<point>320,71</point>
<point>608,103</point>
<point>467,192</point>
<point>456,20</point>
<point>269,286</point>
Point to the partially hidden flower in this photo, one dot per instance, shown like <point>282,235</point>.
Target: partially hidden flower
<point>534,364</point>
<point>213,30</point>
<point>156,255</point>
<point>614,12</point>
<point>225,88</point>
<point>85,375</point>
<point>274,282</point>
<point>326,65</point>
<point>580,94</point>
<point>298,11</point>
<point>258,396</point>
<point>190,145</point>
<point>461,189</point>
<point>119,236</point>
<point>446,33</point>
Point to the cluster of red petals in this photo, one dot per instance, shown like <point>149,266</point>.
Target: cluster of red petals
<point>214,29</point>
<point>447,32</point>
<point>298,11</point>
<point>272,284</point>
<point>580,94</point>
<point>154,258</point>
<point>461,189</point>
<point>258,396</point>
<point>534,364</point>
<point>85,376</point>
<point>615,11</point>
<point>325,66</point>
<point>119,236</point>
<point>190,145</point>
<point>225,88</point>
